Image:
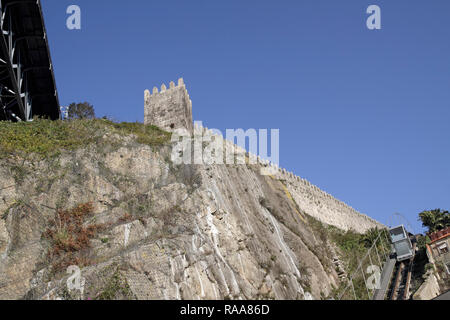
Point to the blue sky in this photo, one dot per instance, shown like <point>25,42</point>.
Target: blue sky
<point>362,114</point>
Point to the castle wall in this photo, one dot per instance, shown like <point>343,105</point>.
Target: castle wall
<point>310,198</point>
<point>170,108</point>
<point>325,207</point>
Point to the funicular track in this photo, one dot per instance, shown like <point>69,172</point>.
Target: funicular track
<point>394,280</point>
<point>400,283</point>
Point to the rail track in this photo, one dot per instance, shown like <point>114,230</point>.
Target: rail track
<point>400,285</point>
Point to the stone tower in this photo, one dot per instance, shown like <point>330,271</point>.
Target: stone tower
<point>169,109</point>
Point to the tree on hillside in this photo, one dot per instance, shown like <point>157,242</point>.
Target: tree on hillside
<point>81,111</point>
<point>375,235</point>
<point>368,238</point>
<point>435,220</point>
<point>422,241</point>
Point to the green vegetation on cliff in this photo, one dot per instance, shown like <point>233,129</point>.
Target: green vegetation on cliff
<point>48,138</point>
<point>353,253</point>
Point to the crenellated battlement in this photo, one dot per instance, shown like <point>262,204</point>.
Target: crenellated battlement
<point>169,108</point>
<point>163,89</point>
<point>310,198</point>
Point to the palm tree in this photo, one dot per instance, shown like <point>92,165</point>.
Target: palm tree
<point>435,220</point>
<point>369,238</point>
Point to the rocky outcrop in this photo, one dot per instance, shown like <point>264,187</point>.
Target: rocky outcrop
<point>429,289</point>
<point>167,232</point>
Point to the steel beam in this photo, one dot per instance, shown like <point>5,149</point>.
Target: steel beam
<point>7,48</point>
<point>26,77</point>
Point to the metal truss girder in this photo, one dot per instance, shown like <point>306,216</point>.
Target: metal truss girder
<point>12,75</point>
<point>26,74</point>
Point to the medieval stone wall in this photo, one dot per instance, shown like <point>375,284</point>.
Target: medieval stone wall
<point>170,108</point>
<point>310,198</point>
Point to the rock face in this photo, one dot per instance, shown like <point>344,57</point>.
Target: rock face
<point>429,289</point>
<point>169,231</point>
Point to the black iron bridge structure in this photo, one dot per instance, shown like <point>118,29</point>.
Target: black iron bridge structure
<point>27,82</point>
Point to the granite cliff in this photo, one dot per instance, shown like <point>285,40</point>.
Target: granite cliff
<point>105,200</point>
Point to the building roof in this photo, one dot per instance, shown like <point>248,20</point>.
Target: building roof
<point>439,235</point>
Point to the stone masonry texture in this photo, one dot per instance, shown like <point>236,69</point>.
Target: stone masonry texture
<point>169,109</point>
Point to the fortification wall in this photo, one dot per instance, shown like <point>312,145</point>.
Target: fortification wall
<point>310,198</point>
<point>170,108</point>
<point>324,207</point>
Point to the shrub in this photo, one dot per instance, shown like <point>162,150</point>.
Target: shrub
<point>115,288</point>
<point>81,111</point>
<point>429,266</point>
<point>69,238</point>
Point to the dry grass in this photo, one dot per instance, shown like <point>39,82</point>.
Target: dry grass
<point>70,240</point>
